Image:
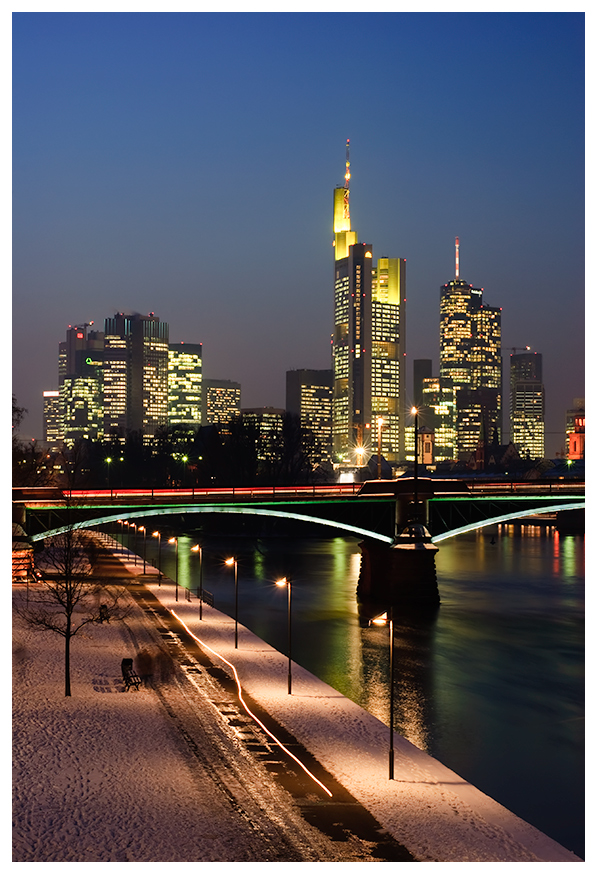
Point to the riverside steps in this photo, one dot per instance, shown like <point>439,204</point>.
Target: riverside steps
<point>430,810</point>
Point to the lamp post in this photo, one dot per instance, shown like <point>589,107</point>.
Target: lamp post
<point>415,413</point>
<point>391,754</point>
<point>144,530</point>
<point>286,582</point>
<point>175,540</point>
<point>109,462</point>
<point>121,523</point>
<point>159,537</point>
<point>199,549</point>
<point>134,525</point>
<point>233,562</point>
<point>379,427</point>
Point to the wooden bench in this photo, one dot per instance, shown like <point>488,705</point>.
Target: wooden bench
<point>129,676</point>
<point>104,615</point>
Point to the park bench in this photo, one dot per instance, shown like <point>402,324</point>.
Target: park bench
<point>129,676</point>
<point>104,615</point>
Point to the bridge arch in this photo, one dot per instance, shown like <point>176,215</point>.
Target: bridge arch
<point>508,517</point>
<point>215,508</point>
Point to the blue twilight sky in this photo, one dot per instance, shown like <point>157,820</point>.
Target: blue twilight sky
<point>184,163</point>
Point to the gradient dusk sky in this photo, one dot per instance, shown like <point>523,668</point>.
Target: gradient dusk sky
<point>184,164</point>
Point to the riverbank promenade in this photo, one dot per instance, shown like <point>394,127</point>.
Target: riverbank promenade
<point>336,748</point>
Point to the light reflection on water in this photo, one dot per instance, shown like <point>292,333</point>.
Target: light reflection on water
<point>492,685</point>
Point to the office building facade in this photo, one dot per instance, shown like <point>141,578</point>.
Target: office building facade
<point>309,396</point>
<point>80,377</point>
<point>221,401</point>
<point>527,404</point>
<point>471,362</point>
<point>185,378</point>
<point>135,375</point>
<point>367,344</point>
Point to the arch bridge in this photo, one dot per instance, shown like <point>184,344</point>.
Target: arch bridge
<point>375,510</point>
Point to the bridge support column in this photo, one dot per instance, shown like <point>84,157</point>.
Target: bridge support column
<point>402,575</point>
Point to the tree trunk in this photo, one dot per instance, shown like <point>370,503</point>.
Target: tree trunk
<point>67,638</point>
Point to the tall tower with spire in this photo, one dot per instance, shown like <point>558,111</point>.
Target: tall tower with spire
<point>470,357</point>
<point>367,343</point>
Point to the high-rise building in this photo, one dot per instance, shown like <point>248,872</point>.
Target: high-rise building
<point>135,374</point>
<point>422,369</point>
<point>309,396</point>
<point>80,376</point>
<point>221,401</point>
<point>185,383</point>
<point>367,342</point>
<point>52,418</point>
<point>527,404</point>
<point>438,413</point>
<point>471,361</point>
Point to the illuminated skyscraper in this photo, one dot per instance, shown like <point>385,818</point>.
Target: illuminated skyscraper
<point>470,357</point>
<point>309,396</point>
<point>80,376</point>
<point>135,374</point>
<point>367,343</point>
<point>52,419</point>
<point>527,404</point>
<point>184,383</point>
<point>221,401</point>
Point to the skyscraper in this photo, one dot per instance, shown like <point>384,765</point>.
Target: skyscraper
<point>309,396</point>
<point>367,342</point>
<point>80,377</point>
<point>135,374</point>
<point>52,418</point>
<point>471,362</point>
<point>221,401</point>
<point>184,383</point>
<point>527,404</point>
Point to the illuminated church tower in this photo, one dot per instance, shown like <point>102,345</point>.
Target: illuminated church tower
<point>367,344</point>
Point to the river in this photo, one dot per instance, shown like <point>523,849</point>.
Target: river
<point>492,686</point>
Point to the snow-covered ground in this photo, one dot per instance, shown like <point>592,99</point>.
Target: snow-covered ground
<point>85,764</point>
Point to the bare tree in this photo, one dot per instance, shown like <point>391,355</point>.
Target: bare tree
<point>71,594</point>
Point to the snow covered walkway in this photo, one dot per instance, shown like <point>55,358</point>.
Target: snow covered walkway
<point>429,809</point>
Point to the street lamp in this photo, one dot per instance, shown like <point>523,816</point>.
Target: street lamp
<point>159,537</point>
<point>379,427</point>
<point>415,413</point>
<point>121,523</point>
<point>144,530</point>
<point>134,525</point>
<point>233,562</point>
<point>286,582</point>
<point>199,549</point>
<point>381,620</point>
<point>175,540</point>
<point>109,462</point>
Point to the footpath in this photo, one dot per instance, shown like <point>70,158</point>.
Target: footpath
<point>430,810</point>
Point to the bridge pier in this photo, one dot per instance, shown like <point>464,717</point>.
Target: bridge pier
<point>401,575</point>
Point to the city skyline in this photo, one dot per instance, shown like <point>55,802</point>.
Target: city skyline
<point>192,176</point>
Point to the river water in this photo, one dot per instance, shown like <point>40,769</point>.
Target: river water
<point>492,686</point>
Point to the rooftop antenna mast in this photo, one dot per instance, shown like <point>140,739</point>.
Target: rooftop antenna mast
<point>457,258</point>
<point>347,184</point>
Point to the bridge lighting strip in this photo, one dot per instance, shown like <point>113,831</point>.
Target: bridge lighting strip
<point>520,514</point>
<point>211,508</point>
<point>246,707</point>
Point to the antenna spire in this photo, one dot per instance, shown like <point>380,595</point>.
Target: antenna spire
<point>347,183</point>
<point>457,258</point>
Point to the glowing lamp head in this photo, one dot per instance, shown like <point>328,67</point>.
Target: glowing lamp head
<point>414,411</point>
<point>195,548</point>
<point>172,540</point>
<point>283,582</point>
<point>156,534</point>
<point>230,561</point>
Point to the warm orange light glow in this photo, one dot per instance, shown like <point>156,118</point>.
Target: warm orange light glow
<point>195,548</point>
<point>414,411</point>
<point>230,561</point>
<point>156,534</point>
<point>380,620</point>
<point>282,582</point>
<point>172,540</point>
